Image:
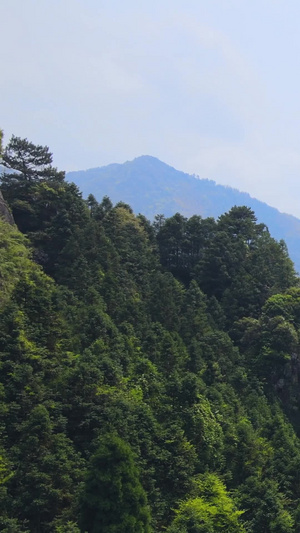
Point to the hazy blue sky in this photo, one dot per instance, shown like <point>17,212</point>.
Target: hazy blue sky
<point>210,87</point>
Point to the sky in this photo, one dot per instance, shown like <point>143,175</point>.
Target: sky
<point>210,87</point>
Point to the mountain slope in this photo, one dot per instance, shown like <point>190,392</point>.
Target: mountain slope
<point>152,187</point>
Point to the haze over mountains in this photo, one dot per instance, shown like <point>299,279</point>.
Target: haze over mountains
<point>152,187</point>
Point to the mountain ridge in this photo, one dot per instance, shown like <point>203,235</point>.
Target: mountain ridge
<point>153,187</point>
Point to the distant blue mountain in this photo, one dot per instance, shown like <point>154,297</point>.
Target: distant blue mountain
<point>151,187</point>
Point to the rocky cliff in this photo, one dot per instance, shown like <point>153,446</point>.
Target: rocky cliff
<point>4,211</point>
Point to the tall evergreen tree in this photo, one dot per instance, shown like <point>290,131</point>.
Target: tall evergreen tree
<point>113,500</point>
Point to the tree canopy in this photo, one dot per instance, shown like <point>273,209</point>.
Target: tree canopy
<point>149,371</point>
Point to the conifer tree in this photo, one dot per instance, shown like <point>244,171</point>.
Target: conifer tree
<point>113,500</point>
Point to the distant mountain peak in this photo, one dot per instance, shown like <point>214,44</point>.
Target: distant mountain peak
<point>147,158</point>
<point>153,187</point>
<point>150,161</point>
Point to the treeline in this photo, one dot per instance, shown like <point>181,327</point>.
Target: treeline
<point>149,372</point>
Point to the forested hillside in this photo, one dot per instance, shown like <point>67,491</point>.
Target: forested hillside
<point>150,187</point>
<point>149,372</point>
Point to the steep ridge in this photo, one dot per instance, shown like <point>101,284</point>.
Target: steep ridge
<point>152,187</point>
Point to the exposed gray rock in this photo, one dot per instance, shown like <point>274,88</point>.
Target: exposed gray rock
<point>5,212</point>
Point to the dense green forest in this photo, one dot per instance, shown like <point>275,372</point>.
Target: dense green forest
<point>150,186</point>
<point>149,371</point>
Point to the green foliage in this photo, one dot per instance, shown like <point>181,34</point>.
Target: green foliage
<point>31,162</point>
<point>70,527</point>
<point>14,260</point>
<point>243,265</point>
<point>156,361</point>
<point>113,499</point>
<point>48,471</point>
<point>212,510</point>
<point>44,206</point>
<point>265,506</point>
